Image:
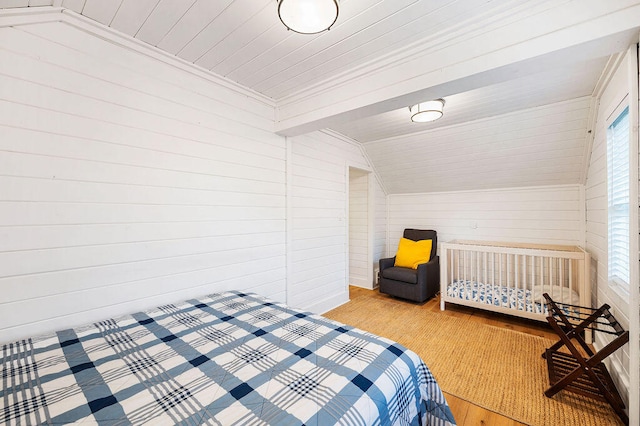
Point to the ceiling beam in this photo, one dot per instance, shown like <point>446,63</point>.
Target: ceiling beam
<point>556,37</point>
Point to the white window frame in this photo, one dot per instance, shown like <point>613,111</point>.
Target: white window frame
<point>618,284</point>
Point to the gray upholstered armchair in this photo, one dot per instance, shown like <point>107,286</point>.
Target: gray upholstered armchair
<point>413,284</point>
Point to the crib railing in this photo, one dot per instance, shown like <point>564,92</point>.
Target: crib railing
<point>561,271</point>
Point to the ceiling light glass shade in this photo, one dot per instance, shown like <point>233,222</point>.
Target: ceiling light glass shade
<point>308,16</point>
<point>427,111</point>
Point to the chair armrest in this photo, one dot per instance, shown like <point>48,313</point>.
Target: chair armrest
<point>435,262</point>
<point>387,263</point>
<point>430,272</point>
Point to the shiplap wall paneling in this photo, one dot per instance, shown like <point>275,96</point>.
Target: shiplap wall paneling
<point>359,261</point>
<point>210,98</point>
<point>319,213</point>
<point>380,227</point>
<point>539,146</point>
<point>24,3</point>
<point>538,215</point>
<point>597,224</point>
<point>127,182</point>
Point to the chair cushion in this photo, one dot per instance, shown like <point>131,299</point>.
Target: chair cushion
<point>397,273</point>
<point>412,253</point>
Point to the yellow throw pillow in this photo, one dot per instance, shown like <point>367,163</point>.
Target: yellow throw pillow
<point>413,253</point>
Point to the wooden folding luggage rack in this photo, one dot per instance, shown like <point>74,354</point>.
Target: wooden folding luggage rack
<point>581,371</point>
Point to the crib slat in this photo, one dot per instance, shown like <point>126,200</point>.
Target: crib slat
<point>484,258</point>
<point>493,267</point>
<point>561,278</point>
<point>464,271</point>
<point>452,254</point>
<point>550,274</point>
<point>516,281</point>
<point>477,274</point>
<point>509,275</point>
<point>464,266</point>
<point>532,296</point>
<point>523,279</point>
<point>540,279</point>
<point>525,271</point>
<point>562,283</point>
<point>531,265</point>
<point>570,262</point>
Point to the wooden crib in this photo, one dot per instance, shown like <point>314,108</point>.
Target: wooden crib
<point>511,278</point>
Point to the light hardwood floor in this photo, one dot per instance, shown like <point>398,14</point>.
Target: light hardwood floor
<point>466,413</point>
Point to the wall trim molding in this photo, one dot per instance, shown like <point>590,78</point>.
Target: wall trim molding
<point>634,314</point>
<point>362,283</point>
<point>603,81</point>
<point>479,120</point>
<point>363,151</point>
<point>545,40</point>
<point>607,73</point>
<point>590,135</point>
<point>289,218</point>
<point>461,31</point>
<point>327,304</point>
<point>470,191</point>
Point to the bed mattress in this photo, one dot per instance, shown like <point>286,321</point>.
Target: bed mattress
<point>227,358</point>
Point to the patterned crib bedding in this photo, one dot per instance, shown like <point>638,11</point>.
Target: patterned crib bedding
<point>227,358</point>
<point>496,295</point>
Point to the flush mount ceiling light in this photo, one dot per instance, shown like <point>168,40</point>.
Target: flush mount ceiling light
<point>427,111</point>
<point>308,16</point>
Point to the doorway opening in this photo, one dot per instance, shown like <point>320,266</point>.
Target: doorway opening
<point>360,229</point>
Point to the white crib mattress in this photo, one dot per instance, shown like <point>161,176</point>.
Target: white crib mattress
<point>496,295</point>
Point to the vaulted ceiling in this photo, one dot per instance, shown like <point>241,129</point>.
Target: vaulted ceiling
<point>244,40</point>
<point>517,76</point>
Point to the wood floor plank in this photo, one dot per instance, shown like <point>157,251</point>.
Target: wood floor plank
<point>468,414</point>
<point>459,407</point>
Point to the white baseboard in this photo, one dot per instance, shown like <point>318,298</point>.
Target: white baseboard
<point>325,305</point>
<point>618,374</point>
<point>361,282</point>
<point>368,287</point>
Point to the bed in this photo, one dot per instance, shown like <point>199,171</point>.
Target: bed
<point>511,278</point>
<point>227,358</point>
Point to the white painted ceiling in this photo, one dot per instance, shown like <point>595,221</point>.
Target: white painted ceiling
<point>546,87</point>
<point>243,41</point>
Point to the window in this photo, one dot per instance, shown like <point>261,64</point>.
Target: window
<point>618,200</point>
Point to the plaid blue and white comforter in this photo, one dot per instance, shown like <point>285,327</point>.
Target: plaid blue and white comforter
<point>228,358</point>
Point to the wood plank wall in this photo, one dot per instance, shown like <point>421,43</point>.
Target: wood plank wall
<point>597,222</point>
<point>550,215</point>
<point>379,226</point>
<point>126,183</point>
<point>358,228</point>
<point>541,146</point>
<point>319,200</point>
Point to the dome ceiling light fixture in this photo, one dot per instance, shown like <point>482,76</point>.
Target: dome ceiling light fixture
<point>427,111</point>
<point>308,16</point>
